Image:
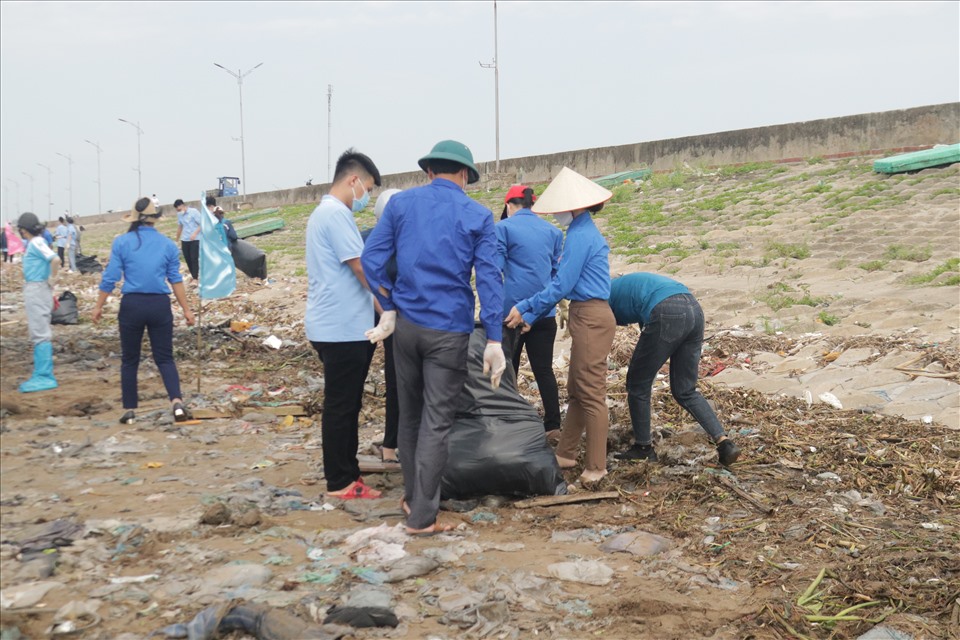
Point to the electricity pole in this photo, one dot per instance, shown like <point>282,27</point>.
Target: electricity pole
<point>329,112</point>
<point>99,201</point>
<point>49,199</point>
<point>495,65</point>
<point>70,178</point>
<point>31,188</point>
<point>240,75</point>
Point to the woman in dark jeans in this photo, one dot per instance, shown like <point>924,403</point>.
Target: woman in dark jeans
<point>671,324</point>
<point>529,249</point>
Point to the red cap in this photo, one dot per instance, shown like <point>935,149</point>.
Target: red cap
<point>516,191</point>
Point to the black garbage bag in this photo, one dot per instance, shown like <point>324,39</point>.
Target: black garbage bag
<point>497,444</point>
<point>249,259</point>
<point>88,264</point>
<point>66,311</point>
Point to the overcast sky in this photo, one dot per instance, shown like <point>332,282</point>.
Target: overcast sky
<point>405,75</point>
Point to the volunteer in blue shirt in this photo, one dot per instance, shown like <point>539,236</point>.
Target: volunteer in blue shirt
<point>188,232</point>
<point>439,236</point>
<point>339,313</point>
<point>146,261</point>
<point>583,277</point>
<point>38,264</point>
<point>671,323</point>
<point>60,237</point>
<point>73,239</point>
<point>528,248</point>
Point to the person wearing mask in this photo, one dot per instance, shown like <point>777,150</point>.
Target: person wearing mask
<point>439,236</point>
<point>388,451</point>
<point>529,249</point>
<point>60,238</point>
<point>583,277</point>
<point>146,261</point>
<point>671,323</point>
<point>38,265</point>
<point>73,237</point>
<point>188,231</point>
<point>339,312</point>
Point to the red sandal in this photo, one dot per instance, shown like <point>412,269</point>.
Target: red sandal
<point>359,491</point>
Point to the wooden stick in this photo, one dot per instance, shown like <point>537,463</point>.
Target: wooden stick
<point>746,496</point>
<point>550,501</point>
<point>199,337</point>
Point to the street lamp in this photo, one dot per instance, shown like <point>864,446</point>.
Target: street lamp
<point>240,75</point>
<point>49,199</point>
<point>31,188</point>
<point>495,65</point>
<point>70,178</point>
<point>139,174</point>
<point>99,201</point>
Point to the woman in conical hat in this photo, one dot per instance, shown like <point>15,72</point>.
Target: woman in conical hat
<point>583,277</point>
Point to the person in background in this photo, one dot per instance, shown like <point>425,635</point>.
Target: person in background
<point>72,239</point>
<point>671,323</point>
<point>388,452</point>
<point>339,312</point>
<point>529,250</point>
<point>3,245</point>
<point>47,236</point>
<point>439,237</point>
<point>188,229</point>
<point>38,265</point>
<point>60,238</point>
<point>584,278</point>
<point>156,202</point>
<point>146,261</point>
<point>224,227</point>
<point>14,243</point>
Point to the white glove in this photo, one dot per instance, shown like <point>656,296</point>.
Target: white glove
<point>494,362</point>
<point>388,322</point>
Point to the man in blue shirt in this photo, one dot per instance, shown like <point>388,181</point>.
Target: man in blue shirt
<point>439,236</point>
<point>671,323</point>
<point>188,229</point>
<point>60,237</point>
<point>339,313</point>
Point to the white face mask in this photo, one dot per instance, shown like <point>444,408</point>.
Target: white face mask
<point>563,219</point>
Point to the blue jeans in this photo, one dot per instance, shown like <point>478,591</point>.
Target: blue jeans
<point>675,333</point>
<point>150,311</point>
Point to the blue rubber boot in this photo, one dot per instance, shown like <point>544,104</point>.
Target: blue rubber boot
<point>42,378</point>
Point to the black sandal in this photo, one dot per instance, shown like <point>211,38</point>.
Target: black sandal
<point>128,417</point>
<point>180,414</point>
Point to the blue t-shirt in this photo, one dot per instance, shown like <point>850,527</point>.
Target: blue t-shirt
<point>583,274</point>
<point>36,260</point>
<point>528,248</point>
<point>61,235</point>
<point>339,307</point>
<point>633,296</point>
<point>190,221</point>
<point>145,259</point>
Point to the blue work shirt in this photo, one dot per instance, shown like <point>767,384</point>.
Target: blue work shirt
<point>61,235</point>
<point>190,221</point>
<point>339,306</point>
<point>439,236</point>
<point>71,236</point>
<point>633,296</point>
<point>528,251</point>
<point>145,259</point>
<point>36,260</point>
<point>583,273</point>
<point>391,264</point>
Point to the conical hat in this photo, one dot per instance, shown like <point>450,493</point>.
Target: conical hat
<point>570,191</point>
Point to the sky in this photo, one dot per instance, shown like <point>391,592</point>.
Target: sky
<point>405,75</point>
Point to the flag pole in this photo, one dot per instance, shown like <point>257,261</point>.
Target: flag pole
<point>199,325</point>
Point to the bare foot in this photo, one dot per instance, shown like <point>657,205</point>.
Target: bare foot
<point>432,530</point>
<point>566,463</point>
<point>592,476</point>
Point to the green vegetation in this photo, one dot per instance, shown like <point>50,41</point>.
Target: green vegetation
<point>780,250</point>
<point>873,265</point>
<point>828,318</point>
<point>912,254</point>
<point>622,193</point>
<point>951,265</point>
<point>781,296</point>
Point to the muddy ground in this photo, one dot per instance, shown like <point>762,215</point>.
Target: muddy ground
<point>828,509</point>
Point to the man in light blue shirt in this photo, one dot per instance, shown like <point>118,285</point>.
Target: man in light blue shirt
<point>439,236</point>
<point>188,230</point>
<point>61,239</point>
<point>339,312</point>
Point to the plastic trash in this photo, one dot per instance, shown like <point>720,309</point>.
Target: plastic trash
<point>586,571</point>
<point>273,342</point>
<point>830,399</point>
<point>22,596</point>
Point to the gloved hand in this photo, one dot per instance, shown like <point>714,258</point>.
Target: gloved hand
<point>563,314</point>
<point>494,362</point>
<point>388,322</point>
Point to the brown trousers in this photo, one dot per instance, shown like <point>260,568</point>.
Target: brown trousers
<point>592,327</point>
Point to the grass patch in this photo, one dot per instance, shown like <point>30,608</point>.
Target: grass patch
<point>828,318</point>
<point>911,254</point>
<point>953,264</point>
<point>740,169</point>
<point>873,265</point>
<point>622,193</point>
<point>780,295</point>
<point>782,250</point>
<point>953,191</point>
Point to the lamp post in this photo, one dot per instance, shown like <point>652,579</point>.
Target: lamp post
<point>31,188</point>
<point>49,199</point>
<point>139,173</point>
<point>99,201</point>
<point>495,65</point>
<point>240,75</point>
<point>70,178</point>
<point>17,185</point>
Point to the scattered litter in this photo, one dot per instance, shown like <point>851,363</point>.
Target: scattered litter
<point>22,596</point>
<point>134,579</point>
<point>586,571</point>
<point>273,342</point>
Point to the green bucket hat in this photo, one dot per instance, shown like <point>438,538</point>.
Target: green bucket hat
<point>455,152</point>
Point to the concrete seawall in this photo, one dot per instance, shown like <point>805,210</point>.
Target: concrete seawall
<point>882,133</point>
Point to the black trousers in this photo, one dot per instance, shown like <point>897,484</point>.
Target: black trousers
<point>345,367</point>
<point>60,252</point>
<point>539,343</point>
<point>191,255</point>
